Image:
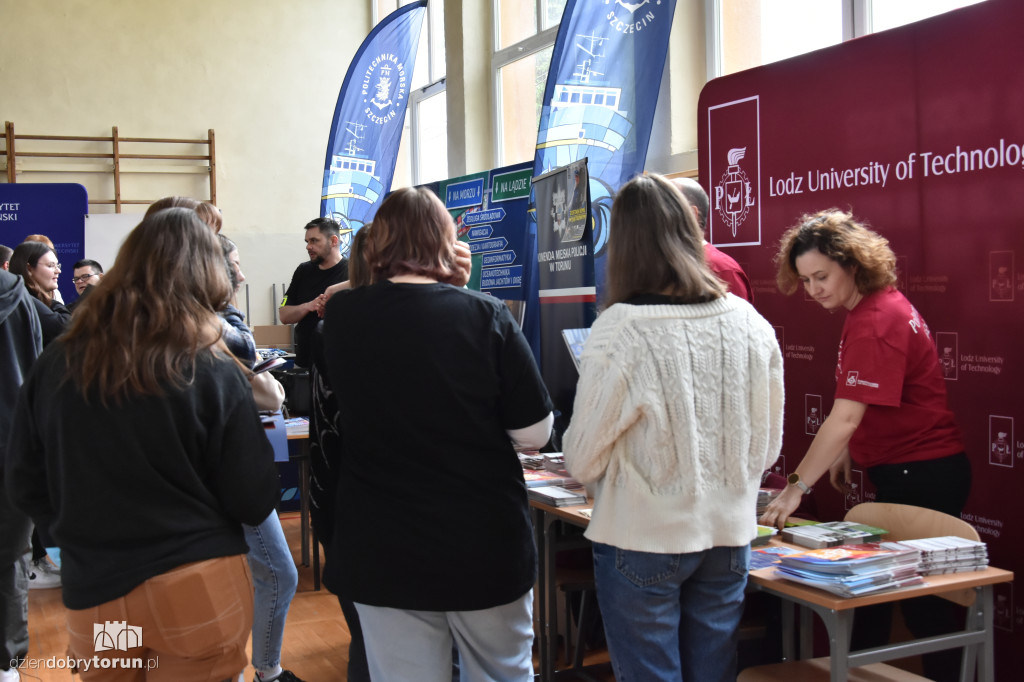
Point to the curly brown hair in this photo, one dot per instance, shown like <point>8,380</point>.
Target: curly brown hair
<point>848,242</point>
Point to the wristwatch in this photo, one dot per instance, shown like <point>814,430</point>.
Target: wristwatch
<point>794,479</point>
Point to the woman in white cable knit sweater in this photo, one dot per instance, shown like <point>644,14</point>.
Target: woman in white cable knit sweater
<point>678,412</point>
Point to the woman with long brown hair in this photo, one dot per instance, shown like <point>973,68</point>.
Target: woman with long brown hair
<point>137,442</point>
<point>678,412</point>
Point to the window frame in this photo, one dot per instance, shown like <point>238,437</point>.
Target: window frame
<point>416,97</point>
<point>856,22</point>
<point>505,57</point>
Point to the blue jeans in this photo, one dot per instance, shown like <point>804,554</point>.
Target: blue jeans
<point>671,616</point>
<point>274,579</point>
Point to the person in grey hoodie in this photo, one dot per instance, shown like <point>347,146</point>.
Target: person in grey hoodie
<point>21,342</point>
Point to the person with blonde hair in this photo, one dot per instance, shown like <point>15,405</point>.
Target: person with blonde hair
<point>137,442</point>
<point>891,415</point>
<point>678,412</point>
<point>437,388</point>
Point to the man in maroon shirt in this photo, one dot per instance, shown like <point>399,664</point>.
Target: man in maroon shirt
<point>727,269</point>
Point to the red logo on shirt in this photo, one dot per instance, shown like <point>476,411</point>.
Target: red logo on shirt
<point>851,379</point>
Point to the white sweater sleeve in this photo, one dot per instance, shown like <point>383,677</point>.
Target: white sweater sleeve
<point>776,405</point>
<point>600,415</point>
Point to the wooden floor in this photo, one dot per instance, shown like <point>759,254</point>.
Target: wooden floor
<point>315,638</point>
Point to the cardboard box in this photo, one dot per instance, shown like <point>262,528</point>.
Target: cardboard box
<point>273,336</point>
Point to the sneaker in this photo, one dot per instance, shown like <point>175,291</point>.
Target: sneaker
<point>11,675</point>
<point>285,676</point>
<point>42,575</point>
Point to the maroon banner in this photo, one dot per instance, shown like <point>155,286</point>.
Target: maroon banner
<point>919,131</point>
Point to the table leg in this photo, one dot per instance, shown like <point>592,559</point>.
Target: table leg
<point>788,634</point>
<point>540,595</point>
<point>839,644</point>
<point>806,633</point>
<point>550,536</point>
<point>982,607</point>
<point>304,503</point>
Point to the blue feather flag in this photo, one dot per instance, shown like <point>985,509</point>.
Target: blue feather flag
<point>367,127</point>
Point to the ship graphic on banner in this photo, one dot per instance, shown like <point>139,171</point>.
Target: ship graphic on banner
<point>351,185</point>
<point>600,97</point>
<point>585,121</point>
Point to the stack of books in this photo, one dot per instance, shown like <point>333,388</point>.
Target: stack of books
<point>764,498</point>
<point>853,570</point>
<point>831,534</point>
<point>946,554</point>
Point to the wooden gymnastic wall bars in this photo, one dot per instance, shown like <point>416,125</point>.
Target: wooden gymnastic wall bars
<point>207,163</point>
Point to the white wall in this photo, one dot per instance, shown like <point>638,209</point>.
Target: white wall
<point>263,74</point>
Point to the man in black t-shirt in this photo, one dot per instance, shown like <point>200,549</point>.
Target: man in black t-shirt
<point>325,267</point>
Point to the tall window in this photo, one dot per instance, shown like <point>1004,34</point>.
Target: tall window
<point>886,14</point>
<point>747,33</point>
<point>524,36</point>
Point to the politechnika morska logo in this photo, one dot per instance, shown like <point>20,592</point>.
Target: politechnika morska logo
<point>735,190</point>
<point>385,88</point>
<point>631,20</point>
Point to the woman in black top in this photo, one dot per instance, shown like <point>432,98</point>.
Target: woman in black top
<point>437,388</point>
<point>137,442</point>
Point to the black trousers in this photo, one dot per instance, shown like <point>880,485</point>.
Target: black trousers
<point>943,485</point>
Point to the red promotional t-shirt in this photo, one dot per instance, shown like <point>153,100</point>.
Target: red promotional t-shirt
<point>729,271</point>
<point>887,360</point>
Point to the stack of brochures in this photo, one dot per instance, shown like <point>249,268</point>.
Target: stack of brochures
<point>531,460</point>
<point>540,477</point>
<point>764,498</point>
<point>946,554</point>
<point>763,557</point>
<point>764,535</point>
<point>853,570</point>
<point>296,426</point>
<point>556,496</point>
<point>831,534</point>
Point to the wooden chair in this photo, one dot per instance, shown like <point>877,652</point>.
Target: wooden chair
<point>904,522</point>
